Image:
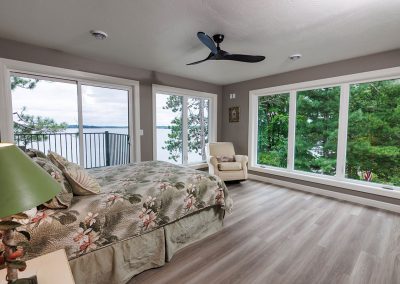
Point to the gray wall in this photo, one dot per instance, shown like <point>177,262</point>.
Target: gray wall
<point>30,53</point>
<point>238,132</point>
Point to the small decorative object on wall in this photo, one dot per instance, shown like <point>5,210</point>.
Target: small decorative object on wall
<point>234,114</point>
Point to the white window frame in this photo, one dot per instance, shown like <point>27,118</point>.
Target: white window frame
<point>8,66</point>
<point>339,179</point>
<point>185,93</point>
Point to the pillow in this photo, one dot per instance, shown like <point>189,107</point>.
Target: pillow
<point>225,158</point>
<point>59,160</point>
<point>35,153</point>
<point>82,183</point>
<point>63,199</point>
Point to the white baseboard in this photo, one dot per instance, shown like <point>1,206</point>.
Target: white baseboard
<point>337,195</point>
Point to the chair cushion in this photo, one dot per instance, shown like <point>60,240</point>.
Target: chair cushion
<point>230,166</point>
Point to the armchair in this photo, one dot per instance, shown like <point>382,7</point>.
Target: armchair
<point>226,170</point>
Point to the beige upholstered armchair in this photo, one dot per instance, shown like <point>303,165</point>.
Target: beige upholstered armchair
<point>223,162</point>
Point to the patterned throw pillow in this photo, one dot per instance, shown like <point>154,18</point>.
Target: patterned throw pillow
<point>63,199</point>
<point>35,153</point>
<point>59,160</point>
<point>80,180</point>
<point>82,183</point>
<point>225,158</point>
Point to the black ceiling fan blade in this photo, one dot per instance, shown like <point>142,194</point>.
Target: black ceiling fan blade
<point>244,58</point>
<point>205,59</point>
<point>207,41</point>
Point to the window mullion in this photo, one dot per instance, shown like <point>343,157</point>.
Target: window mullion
<point>80,124</point>
<point>253,129</point>
<point>292,130</point>
<point>185,130</point>
<point>6,115</point>
<point>342,131</point>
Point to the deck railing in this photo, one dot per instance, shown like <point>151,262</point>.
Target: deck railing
<point>100,149</point>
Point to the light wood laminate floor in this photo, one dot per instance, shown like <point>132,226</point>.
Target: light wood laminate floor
<point>280,235</point>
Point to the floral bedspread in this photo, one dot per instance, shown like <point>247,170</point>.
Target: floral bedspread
<point>135,198</point>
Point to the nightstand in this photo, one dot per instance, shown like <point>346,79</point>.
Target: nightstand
<point>49,269</point>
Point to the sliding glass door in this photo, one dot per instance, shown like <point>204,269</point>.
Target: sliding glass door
<point>197,130</point>
<point>44,113</point>
<point>85,123</point>
<point>169,128</point>
<point>105,126</point>
<point>182,126</point>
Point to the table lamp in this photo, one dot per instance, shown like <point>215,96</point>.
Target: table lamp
<point>23,186</point>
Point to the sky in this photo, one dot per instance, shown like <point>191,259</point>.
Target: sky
<point>58,100</point>
<point>100,106</point>
<point>164,116</point>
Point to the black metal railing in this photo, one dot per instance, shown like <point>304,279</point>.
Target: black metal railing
<point>100,149</point>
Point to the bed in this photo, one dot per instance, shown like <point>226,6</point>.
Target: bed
<point>144,214</point>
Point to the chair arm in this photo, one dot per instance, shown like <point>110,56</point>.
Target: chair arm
<point>213,165</point>
<point>242,159</point>
<point>213,161</point>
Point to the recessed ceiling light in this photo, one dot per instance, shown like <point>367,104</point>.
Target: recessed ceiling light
<point>99,34</point>
<point>295,57</point>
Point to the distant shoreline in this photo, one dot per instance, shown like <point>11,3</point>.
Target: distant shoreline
<point>107,126</point>
<point>95,126</point>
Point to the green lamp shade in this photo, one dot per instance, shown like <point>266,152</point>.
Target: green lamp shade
<point>23,183</point>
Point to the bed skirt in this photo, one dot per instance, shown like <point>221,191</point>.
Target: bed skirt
<point>118,263</point>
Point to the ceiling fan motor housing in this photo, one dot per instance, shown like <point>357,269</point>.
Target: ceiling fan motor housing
<point>218,38</point>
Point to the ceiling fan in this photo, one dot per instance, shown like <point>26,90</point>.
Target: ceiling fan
<point>218,54</point>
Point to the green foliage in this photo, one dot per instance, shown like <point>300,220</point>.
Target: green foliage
<point>197,126</point>
<point>30,124</point>
<point>317,119</point>
<point>273,119</point>
<point>373,142</point>
<point>25,83</point>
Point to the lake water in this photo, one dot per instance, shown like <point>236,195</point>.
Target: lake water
<point>67,145</point>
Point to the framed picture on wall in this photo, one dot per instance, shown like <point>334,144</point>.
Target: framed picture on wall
<point>234,114</point>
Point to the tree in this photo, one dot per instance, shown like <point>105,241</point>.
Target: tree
<point>317,120</point>
<point>273,119</point>
<point>197,122</point>
<point>25,125</point>
<point>374,132</point>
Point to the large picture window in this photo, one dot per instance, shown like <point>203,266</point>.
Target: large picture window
<point>336,131</point>
<point>317,118</point>
<point>273,122</point>
<point>184,124</point>
<point>373,143</point>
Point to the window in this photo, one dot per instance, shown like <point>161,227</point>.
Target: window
<point>373,141</point>
<point>342,131</point>
<point>105,126</point>
<point>44,113</point>
<point>184,123</point>
<point>198,125</point>
<point>317,118</point>
<point>169,128</point>
<point>87,124</point>
<point>273,122</point>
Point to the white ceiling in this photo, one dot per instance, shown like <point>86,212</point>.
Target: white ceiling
<point>160,35</point>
